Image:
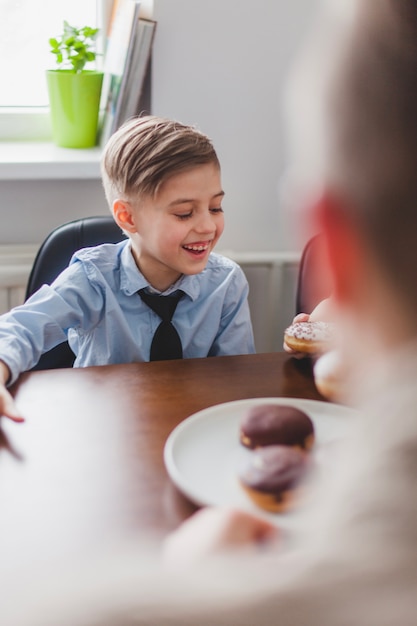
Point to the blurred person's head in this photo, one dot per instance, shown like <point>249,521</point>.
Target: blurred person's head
<point>368,210</point>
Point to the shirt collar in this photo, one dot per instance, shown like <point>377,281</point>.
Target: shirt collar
<point>132,279</point>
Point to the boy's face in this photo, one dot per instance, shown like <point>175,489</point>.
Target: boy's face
<point>178,228</point>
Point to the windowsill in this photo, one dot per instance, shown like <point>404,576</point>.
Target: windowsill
<point>43,160</point>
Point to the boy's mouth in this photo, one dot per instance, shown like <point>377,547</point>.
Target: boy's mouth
<point>197,248</point>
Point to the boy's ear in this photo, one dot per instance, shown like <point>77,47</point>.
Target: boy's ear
<point>344,247</point>
<point>123,216</point>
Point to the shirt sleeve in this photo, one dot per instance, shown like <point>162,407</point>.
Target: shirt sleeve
<point>235,334</point>
<point>43,321</point>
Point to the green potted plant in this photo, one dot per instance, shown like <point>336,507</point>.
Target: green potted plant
<point>74,92</point>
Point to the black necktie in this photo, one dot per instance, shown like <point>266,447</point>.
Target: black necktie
<point>166,343</point>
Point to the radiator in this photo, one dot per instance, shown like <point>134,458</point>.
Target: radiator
<point>271,275</point>
<point>15,265</point>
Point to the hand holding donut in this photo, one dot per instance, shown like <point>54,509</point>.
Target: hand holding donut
<point>310,338</point>
<point>311,335</point>
<point>301,317</point>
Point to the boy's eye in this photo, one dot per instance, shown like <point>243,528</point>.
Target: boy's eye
<point>183,216</point>
<point>186,216</point>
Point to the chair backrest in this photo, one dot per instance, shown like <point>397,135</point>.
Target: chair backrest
<point>312,285</point>
<point>54,256</point>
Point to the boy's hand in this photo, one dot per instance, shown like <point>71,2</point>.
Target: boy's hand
<point>215,530</point>
<point>7,405</point>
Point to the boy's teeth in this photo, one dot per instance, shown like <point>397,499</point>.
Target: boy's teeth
<point>196,248</point>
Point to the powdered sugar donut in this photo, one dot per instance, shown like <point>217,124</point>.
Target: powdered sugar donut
<point>310,337</point>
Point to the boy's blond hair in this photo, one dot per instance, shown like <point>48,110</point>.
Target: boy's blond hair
<point>145,151</point>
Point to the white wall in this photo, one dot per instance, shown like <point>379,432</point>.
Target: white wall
<point>222,65</point>
<point>30,209</point>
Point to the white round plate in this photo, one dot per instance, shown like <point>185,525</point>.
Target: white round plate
<point>203,452</point>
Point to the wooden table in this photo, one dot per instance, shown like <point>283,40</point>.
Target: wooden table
<point>88,462</point>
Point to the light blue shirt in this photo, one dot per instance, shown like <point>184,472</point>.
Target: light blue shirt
<point>95,305</point>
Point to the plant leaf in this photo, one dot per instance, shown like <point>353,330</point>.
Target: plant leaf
<point>75,46</point>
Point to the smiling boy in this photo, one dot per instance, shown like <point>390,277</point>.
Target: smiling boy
<point>162,183</point>
<point>174,232</point>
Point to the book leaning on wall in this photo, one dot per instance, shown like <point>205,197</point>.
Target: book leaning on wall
<point>135,75</point>
<point>125,95</point>
<point>122,27</point>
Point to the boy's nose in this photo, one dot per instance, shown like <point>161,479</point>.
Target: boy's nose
<point>206,224</point>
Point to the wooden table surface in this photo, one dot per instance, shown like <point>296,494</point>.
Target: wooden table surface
<point>88,462</point>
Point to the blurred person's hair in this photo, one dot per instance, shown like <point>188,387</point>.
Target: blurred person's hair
<point>372,158</point>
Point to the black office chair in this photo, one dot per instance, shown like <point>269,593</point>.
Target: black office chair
<point>54,256</point>
<point>312,286</point>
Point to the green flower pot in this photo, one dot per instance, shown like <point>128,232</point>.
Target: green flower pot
<point>75,104</point>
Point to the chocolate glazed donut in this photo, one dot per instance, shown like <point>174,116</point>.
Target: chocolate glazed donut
<point>272,477</point>
<point>273,424</point>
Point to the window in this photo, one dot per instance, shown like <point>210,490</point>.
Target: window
<point>25,28</point>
